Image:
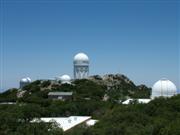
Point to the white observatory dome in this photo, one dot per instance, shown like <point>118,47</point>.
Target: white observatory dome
<point>81,66</point>
<point>25,80</point>
<point>65,79</point>
<point>81,57</point>
<point>163,88</point>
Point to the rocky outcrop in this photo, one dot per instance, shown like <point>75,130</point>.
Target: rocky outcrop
<point>112,80</point>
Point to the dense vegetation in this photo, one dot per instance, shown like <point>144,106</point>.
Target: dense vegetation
<point>160,117</point>
<point>9,95</point>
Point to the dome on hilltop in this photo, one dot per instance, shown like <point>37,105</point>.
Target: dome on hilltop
<point>65,79</point>
<point>163,87</point>
<point>81,57</point>
<point>81,66</point>
<point>26,80</point>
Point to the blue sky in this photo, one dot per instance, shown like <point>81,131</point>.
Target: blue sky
<point>138,38</point>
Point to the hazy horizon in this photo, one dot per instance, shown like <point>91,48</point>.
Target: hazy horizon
<point>139,39</point>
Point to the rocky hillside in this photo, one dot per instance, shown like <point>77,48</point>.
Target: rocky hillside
<point>121,86</point>
<point>113,87</point>
<point>112,80</point>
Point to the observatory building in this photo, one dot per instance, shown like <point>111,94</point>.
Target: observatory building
<point>24,82</point>
<point>65,79</point>
<point>163,88</point>
<point>81,66</point>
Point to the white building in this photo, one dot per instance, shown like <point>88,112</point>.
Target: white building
<point>60,95</point>
<point>140,101</point>
<point>65,79</point>
<point>81,66</point>
<point>67,123</point>
<point>163,87</point>
<point>24,82</point>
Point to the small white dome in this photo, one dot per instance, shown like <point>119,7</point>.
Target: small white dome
<point>26,80</point>
<point>65,79</point>
<point>81,57</point>
<point>163,88</point>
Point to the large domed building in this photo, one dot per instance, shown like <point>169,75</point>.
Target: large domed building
<point>163,87</point>
<point>81,66</point>
<point>24,82</point>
